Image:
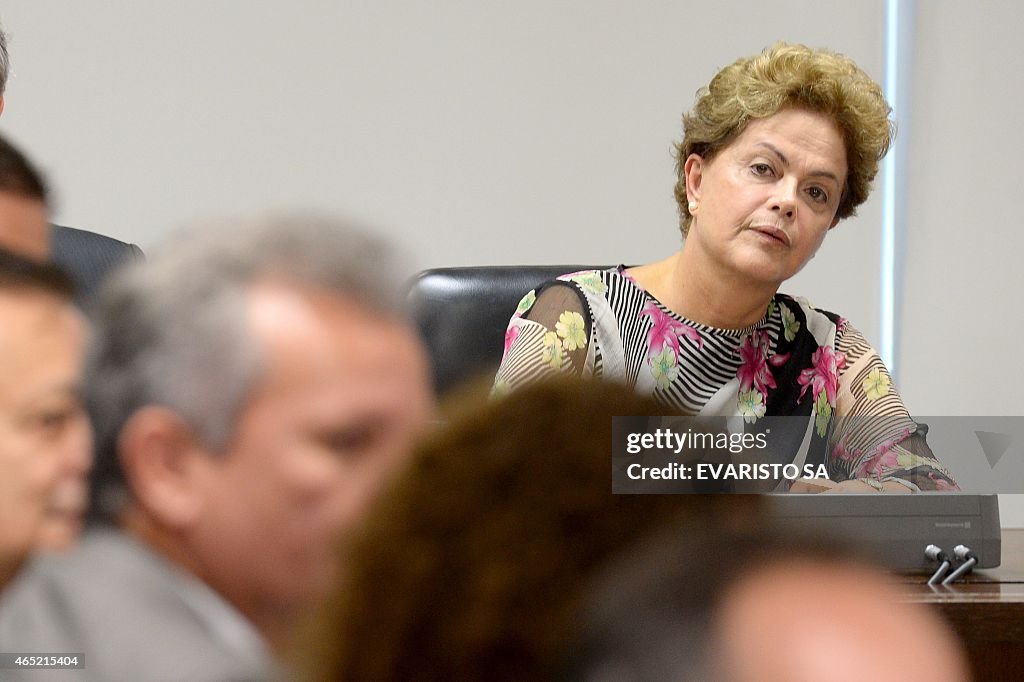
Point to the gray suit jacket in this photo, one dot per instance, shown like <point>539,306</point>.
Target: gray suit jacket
<point>88,257</point>
<point>130,613</point>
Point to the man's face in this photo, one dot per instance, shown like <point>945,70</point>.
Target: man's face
<point>24,226</point>
<point>45,436</point>
<point>343,394</point>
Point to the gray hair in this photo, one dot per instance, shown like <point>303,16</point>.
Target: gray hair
<point>172,331</point>
<point>4,62</point>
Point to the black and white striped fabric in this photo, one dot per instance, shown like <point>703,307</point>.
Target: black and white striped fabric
<point>797,361</point>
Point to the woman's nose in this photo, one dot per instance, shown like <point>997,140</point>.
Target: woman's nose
<point>784,201</point>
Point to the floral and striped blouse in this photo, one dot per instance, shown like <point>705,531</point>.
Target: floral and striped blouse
<point>797,361</point>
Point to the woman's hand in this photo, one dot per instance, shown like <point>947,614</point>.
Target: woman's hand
<point>854,485</point>
<point>812,485</point>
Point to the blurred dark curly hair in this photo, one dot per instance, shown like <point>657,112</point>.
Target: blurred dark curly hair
<point>472,565</point>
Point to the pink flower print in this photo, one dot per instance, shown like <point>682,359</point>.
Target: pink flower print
<point>841,325</point>
<point>754,371</point>
<point>887,461</point>
<point>511,334</point>
<point>941,483</point>
<point>843,453</point>
<point>754,366</point>
<point>666,332</point>
<point>885,456</point>
<point>823,374</point>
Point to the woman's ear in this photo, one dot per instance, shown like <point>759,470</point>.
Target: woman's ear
<point>693,168</point>
<point>165,465</point>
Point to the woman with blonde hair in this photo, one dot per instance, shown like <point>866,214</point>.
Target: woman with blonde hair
<point>778,149</point>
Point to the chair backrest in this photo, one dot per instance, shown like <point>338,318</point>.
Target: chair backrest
<point>462,314</point>
<point>89,257</point>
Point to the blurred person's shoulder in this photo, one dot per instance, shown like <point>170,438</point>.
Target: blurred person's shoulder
<point>89,257</point>
<point>123,608</point>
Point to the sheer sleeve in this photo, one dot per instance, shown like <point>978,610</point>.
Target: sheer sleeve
<point>874,437</point>
<point>549,334</point>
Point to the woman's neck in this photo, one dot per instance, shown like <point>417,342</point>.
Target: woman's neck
<point>701,294</point>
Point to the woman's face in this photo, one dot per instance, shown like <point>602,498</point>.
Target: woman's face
<point>765,202</point>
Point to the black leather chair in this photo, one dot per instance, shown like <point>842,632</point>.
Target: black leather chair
<point>462,314</point>
<point>89,257</point>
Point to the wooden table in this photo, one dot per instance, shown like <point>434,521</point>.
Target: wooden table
<point>986,609</point>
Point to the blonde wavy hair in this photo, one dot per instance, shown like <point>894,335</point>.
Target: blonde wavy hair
<point>788,76</point>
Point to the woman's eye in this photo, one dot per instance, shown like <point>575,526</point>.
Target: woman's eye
<point>818,194</point>
<point>761,169</point>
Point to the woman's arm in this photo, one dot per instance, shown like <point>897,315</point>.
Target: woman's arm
<point>873,437</point>
<point>549,334</point>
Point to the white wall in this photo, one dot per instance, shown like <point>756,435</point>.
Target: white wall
<point>962,310</point>
<point>512,132</point>
<point>473,132</point>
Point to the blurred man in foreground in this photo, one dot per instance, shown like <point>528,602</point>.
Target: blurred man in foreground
<point>24,225</point>
<point>45,448</point>
<point>764,604</point>
<point>251,387</point>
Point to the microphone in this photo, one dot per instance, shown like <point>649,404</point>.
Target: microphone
<point>935,553</point>
<point>962,553</point>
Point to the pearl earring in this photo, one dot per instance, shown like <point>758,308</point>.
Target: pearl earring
<point>692,206</point>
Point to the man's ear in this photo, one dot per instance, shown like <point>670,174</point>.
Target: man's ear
<point>165,465</point>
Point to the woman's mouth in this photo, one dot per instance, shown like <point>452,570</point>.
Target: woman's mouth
<point>772,234</point>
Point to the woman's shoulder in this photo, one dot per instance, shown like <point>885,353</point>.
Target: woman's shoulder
<point>817,320</point>
<point>809,309</point>
<point>582,291</point>
<point>591,283</point>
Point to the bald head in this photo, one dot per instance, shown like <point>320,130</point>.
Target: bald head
<point>811,619</point>
<point>767,603</point>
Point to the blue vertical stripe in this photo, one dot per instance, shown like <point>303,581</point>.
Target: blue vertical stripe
<point>898,50</point>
